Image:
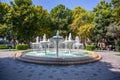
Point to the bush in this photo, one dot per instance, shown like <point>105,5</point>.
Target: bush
<point>118,48</point>
<point>3,47</point>
<point>117,42</point>
<point>117,45</point>
<point>90,47</point>
<point>21,46</point>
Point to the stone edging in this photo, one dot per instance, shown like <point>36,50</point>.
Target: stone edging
<point>59,61</point>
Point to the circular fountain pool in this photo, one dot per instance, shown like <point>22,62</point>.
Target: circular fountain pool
<point>57,56</point>
<point>64,58</point>
<point>52,54</point>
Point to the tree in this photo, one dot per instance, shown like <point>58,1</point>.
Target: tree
<point>102,19</point>
<point>78,19</point>
<point>44,22</point>
<point>4,9</point>
<point>82,23</point>
<point>85,31</point>
<point>113,31</point>
<point>116,11</point>
<point>25,19</point>
<point>61,18</point>
<point>47,28</point>
<point>113,34</point>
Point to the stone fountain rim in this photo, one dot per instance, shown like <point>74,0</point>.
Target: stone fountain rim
<point>59,61</point>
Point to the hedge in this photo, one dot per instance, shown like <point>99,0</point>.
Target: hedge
<point>21,46</point>
<point>3,47</point>
<point>118,48</point>
<point>90,47</point>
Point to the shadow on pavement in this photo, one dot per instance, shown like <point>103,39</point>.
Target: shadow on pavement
<point>11,69</point>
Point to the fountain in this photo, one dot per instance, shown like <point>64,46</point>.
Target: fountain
<point>57,39</point>
<point>68,43</point>
<point>44,42</point>
<point>36,43</point>
<point>70,37</point>
<point>37,39</point>
<point>77,43</point>
<point>57,55</point>
<point>49,43</point>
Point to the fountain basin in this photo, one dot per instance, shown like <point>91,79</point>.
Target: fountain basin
<point>62,59</point>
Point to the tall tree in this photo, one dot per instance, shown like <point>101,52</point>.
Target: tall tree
<point>102,19</point>
<point>4,9</point>
<point>82,23</point>
<point>113,31</point>
<point>78,19</point>
<point>61,18</point>
<point>85,31</point>
<point>116,11</point>
<point>25,19</point>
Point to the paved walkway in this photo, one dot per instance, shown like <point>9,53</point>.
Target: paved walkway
<point>106,69</point>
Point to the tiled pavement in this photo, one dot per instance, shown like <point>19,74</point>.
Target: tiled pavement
<point>106,69</point>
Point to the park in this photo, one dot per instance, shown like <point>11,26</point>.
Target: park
<point>61,43</point>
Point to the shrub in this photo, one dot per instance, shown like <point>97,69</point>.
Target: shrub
<point>117,42</point>
<point>3,47</point>
<point>118,48</point>
<point>90,47</point>
<point>21,46</point>
<point>117,45</point>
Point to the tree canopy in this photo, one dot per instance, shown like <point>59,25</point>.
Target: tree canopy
<point>61,18</point>
<point>102,19</point>
<point>116,11</point>
<point>4,9</point>
<point>82,19</point>
<point>24,21</point>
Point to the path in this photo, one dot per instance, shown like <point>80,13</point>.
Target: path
<point>106,69</point>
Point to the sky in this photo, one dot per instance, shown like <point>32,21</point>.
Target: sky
<point>71,4</point>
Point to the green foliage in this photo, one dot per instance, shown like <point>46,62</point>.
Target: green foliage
<point>21,46</point>
<point>3,47</point>
<point>85,31</point>
<point>61,18</point>
<point>79,15</point>
<point>117,45</point>
<point>22,2</point>
<point>116,11</point>
<point>113,31</point>
<point>117,42</point>
<point>4,9</point>
<point>90,47</point>
<point>25,19</point>
<point>82,19</point>
<point>118,48</point>
<point>102,19</point>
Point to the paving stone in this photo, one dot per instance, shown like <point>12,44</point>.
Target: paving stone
<point>32,71</point>
<point>44,70</point>
<point>30,75</point>
<point>106,69</point>
<point>54,71</point>
<point>95,74</point>
<point>59,78</point>
<point>22,67</point>
<point>77,74</point>
<point>40,74</point>
<point>19,71</point>
<point>83,71</point>
<point>65,72</point>
<point>50,76</point>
